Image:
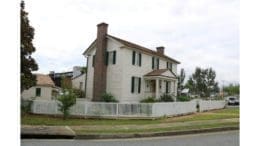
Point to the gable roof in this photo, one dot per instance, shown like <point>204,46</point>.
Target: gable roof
<point>141,48</point>
<point>156,72</point>
<point>78,76</point>
<point>44,80</point>
<point>159,72</point>
<point>136,46</point>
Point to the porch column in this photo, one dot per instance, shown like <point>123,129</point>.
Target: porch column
<point>157,89</point>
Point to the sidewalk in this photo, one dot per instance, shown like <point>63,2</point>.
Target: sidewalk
<point>127,131</point>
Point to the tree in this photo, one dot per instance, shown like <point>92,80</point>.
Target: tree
<point>83,70</point>
<point>232,89</point>
<point>28,64</point>
<point>190,85</point>
<point>211,84</point>
<point>181,79</point>
<point>202,82</point>
<point>66,100</point>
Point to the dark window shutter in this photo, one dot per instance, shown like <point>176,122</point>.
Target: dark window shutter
<point>38,92</point>
<point>133,58</point>
<point>114,57</point>
<point>158,63</point>
<point>107,57</point>
<point>140,59</point>
<point>171,66</point>
<point>139,85</point>
<point>167,64</point>
<point>133,84</point>
<point>153,63</point>
<point>93,60</point>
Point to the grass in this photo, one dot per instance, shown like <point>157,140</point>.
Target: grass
<point>146,130</point>
<point>50,120</point>
<point>211,119</point>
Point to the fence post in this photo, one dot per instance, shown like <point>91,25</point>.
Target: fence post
<point>86,109</point>
<point>117,109</point>
<point>56,107</point>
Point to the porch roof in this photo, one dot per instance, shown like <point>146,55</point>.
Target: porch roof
<point>161,73</point>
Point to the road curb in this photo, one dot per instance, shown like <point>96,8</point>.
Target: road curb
<point>47,132</point>
<point>157,134</point>
<point>36,135</point>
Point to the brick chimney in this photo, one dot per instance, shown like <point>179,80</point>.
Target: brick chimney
<point>160,50</point>
<point>100,68</point>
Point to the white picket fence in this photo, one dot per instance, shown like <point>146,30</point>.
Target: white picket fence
<point>206,105</point>
<point>142,110</point>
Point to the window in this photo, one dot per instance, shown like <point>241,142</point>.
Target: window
<point>93,60</point>
<point>169,65</point>
<point>136,85</point>
<point>155,63</point>
<point>38,92</point>
<point>111,57</point>
<point>136,58</point>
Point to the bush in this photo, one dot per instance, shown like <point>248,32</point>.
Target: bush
<point>183,98</point>
<point>26,105</point>
<point>66,100</point>
<point>166,98</point>
<point>79,93</point>
<point>149,100</point>
<point>108,97</point>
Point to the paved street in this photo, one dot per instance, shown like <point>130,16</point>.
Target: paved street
<point>230,138</point>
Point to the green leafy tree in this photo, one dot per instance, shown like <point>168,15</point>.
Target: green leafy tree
<point>211,84</point>
<point>202,82</point>
<point>181,79</point>
<point>28,64</point>
<point>83,70</point>
<point>190,85</point>
<point>232,89</point>
<point>66,101</point>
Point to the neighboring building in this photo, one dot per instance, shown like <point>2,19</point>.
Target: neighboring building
<point>185,92</point>
<point>127,70</point>
<point>44,89</point>
<point>56,77</point>
<point>78,82</point>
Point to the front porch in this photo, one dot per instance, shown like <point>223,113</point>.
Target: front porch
<point>160,82</point>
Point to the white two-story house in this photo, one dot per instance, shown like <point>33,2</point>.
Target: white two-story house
<point>128,71</point>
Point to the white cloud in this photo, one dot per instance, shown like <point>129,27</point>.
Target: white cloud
<point>196,32</point>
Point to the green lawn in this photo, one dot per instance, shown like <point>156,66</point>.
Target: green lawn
<point>50,120</point>
<point>124,130</point>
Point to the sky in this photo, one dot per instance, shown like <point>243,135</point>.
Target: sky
<point>198,33</point>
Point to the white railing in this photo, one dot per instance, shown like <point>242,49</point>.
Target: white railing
<point>143,110</point>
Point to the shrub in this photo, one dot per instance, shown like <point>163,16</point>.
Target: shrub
<point>166,98</point>
<point>26,105</point>
<point>79,93</point>
<point>108,97</point>
<point>183,98</point>
<point>66,100</point>
<point>149,100</point>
